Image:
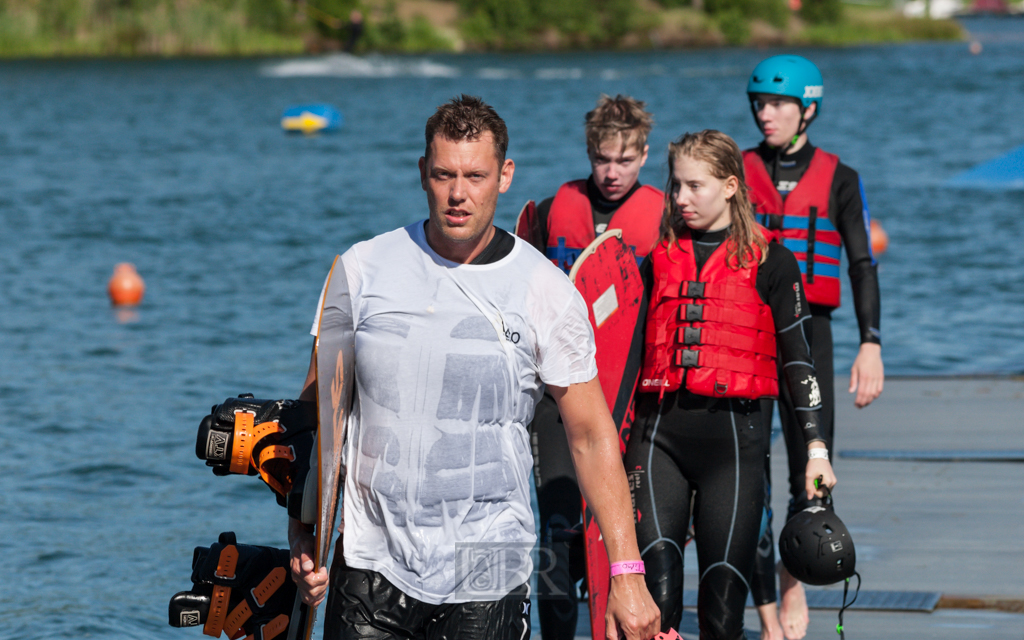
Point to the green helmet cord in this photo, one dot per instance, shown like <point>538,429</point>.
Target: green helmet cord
<point>804,123</point>
<point>840,629</point>
<point>847,605</point>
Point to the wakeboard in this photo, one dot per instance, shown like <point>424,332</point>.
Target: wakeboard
<point>335,383</point>
<point>607,276</point>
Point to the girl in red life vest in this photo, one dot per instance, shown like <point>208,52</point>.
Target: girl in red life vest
<point>722,303</point>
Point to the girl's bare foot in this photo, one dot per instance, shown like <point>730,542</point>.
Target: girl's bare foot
<point>793,610</point>
<point>770,627</point>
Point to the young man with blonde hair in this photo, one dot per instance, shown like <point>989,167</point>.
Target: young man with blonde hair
<point>562,227</point>
<point>611,198</point>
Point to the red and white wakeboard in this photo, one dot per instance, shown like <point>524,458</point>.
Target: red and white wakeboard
<point>607,276</point>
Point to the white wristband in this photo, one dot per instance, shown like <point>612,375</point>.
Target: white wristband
<point>818,453</point>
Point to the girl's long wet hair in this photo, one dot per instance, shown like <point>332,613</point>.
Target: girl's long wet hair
<point>722,156</point>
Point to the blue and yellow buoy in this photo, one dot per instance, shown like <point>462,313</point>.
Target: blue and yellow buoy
<point>311,118</point>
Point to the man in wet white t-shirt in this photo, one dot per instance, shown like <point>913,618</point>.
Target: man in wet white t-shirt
<point>459,326</point>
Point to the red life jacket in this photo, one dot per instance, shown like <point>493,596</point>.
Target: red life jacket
<point>710,329</point>
<point>800,222</point>
<point>571,222</point>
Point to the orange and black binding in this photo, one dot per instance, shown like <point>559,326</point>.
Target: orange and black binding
<point>269,438</point>
<point>237,589</point>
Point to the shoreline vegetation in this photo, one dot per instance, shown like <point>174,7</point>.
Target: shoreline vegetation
<point>171,28</point>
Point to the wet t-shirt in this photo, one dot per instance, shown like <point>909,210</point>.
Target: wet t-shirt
<point>450,361</point>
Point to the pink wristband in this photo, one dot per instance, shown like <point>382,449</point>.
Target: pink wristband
<point>634,566</point>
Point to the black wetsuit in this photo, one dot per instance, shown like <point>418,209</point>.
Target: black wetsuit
<point>708,454</point>
<point>848,213</point>
<point>561,564</point>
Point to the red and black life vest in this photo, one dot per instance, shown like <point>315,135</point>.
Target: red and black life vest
<point>710,329</point>
<point>571,222</point>
<point>800,222</point>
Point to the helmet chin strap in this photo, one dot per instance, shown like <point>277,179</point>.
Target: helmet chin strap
<point>804,123</point>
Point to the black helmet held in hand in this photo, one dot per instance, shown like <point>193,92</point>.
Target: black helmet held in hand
<point>816,547</point>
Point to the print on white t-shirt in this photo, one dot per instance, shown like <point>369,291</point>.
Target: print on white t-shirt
<point>449,366</point>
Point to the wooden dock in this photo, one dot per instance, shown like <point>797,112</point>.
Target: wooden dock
<point>921,525</point>
<point>927,528</point>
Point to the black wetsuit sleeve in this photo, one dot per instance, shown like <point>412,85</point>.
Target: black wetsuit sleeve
<point>647,277</point>
<point>543,211</point>
<point>849,214</point>
<point>780,286</point>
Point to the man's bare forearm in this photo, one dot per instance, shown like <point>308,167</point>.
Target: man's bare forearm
<point>602,481</point>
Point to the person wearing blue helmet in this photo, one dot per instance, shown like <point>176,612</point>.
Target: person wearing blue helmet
<point>814,205</point>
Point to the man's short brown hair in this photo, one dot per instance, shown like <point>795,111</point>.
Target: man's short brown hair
<point>618,116</point>
<point>467,118</point>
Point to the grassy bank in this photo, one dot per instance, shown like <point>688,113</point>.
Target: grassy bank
<point>48,28</point>
<point>683,28</point>
<point>867,25</point>
<point>45,28</point>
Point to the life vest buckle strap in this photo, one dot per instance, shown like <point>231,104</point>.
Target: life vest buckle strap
<point>691,289</point>
<point>770,221</point>
<point>691,313</point>
<point>689,335</point>
<point>687,358</point>
<point>812,229</point>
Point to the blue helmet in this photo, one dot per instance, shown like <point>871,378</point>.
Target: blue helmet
<point>792,76</point>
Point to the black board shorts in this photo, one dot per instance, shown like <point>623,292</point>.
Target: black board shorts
<point>364,605</point>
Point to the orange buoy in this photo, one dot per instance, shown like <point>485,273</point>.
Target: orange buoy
<point>126,287</point>
<point>879,238</point>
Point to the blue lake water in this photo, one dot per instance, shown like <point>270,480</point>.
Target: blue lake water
<point>181,168</point>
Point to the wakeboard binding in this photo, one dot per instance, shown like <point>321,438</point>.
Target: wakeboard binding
<point>269,438</point>
<point>237,589</point>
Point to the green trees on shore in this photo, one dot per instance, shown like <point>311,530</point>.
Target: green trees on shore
<point>520,24</point>
<point>147,27</point>
<point>31,28</point>
<point>504,24</point>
